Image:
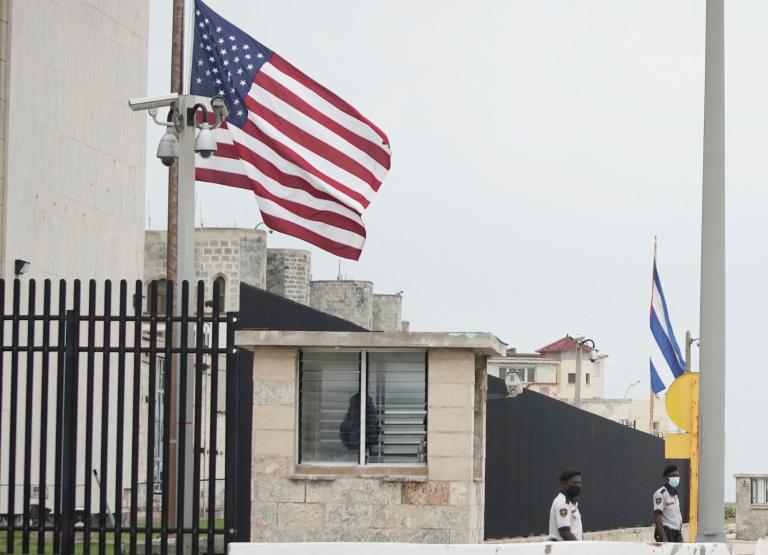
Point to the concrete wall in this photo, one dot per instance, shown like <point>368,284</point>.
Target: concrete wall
<point>238,255</point>
<point>351,300</point>
<point>570,548</point>
<point>289,272</point>
<point>441,502</point>
<point>387,312</point>
<point>74,154</point>
<point>751,520</point>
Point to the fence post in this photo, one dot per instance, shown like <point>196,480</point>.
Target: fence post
<point>237,486</point>
<point>69,436</point>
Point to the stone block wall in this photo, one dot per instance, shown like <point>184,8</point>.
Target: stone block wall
<point>442,503</point>
<point>289,273</point>
<point>348,299</point>
<point>387,312</point>
<point>237,255</point>
<point>751,520</point>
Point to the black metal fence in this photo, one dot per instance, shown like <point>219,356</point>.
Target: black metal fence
<point>531,438</point>
<point>91,449</point>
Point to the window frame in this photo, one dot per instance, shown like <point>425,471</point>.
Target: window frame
<point>569,378</point>
<point>361,463</point>
<point>755,499</point>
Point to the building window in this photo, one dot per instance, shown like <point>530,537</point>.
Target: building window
<point>588,378</point>
<point>527,374</point>
<point>162,288</point>
<point>759,491</point>
<point>571,378</point>
<point>222,292</point>
<point>331,402</point>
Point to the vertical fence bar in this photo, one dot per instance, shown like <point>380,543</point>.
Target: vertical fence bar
<point>135,414</point>
<point>30,383</point>
<point>104,444</point>
<point>69,426</point>
<point>13,416</point>
<point>2,360</point>
<point>120,426</point>
<point>199,334</point>
<point>232,497</point>
<point>60,365</point>
<point>182,407</point>
<point>213,424</point>
<point>42,478</point>
<point>90,370</point>
<point>166,416</point>
<point>150,487</point>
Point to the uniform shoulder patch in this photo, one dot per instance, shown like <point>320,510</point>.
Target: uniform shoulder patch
<point>563,512</point>
<point>658,500</point>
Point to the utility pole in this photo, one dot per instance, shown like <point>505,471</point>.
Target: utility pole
<point>712,301</point>
<point>177,47</point>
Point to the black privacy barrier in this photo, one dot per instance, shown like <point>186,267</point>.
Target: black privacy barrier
<point>87,432</point>
<point>532,438</point>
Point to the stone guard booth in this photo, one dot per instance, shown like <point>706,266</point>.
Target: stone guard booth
<point>751,506</point>
<point>418,477</point>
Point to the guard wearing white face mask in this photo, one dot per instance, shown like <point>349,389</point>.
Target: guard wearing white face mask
<point>666,508</point>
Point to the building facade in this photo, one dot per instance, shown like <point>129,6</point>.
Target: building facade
<point>551,370</point>
<point>751,506</point>
<point>228,255</point>
<point>72,154</point>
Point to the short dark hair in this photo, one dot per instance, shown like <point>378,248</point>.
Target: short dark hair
<point>669,470</point>
<point>568,474</point>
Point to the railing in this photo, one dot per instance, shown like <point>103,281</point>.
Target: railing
<point>86,388</point>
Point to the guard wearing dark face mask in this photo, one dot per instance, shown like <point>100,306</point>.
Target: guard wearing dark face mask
<point>564,516</point>
<point>666,508</point>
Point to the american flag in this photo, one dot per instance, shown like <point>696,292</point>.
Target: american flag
<point>313,161</point>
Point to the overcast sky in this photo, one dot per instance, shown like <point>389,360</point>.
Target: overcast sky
<point>538,147</point>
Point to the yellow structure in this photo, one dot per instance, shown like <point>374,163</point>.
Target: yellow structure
<point>683,408</point>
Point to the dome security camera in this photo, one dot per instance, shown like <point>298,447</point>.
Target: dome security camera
<point>514,384</point>
<point>594,355</point>
<point>168,149</point>
<point>205,144</point>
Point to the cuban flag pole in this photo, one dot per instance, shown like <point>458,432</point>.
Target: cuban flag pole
<point>666,361</point>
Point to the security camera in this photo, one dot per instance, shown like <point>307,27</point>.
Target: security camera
<point>205,144</point>
<point>514,384</point>
<point>219,107</point>
<point>168,149</point>
<point>150,102</point>
<point>594,355</point>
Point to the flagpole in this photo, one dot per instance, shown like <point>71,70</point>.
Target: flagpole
<point>712,301</point>
<point>177,47</point>
<point>650,389</point>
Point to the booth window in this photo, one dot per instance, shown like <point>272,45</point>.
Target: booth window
<point>336,387</point>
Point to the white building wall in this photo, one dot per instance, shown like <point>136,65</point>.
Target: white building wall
<point>74,190</point>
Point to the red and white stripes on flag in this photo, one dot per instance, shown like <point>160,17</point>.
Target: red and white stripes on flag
<point>312,160</point>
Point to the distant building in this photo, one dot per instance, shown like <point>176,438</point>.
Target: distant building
<point>227,255</point>
<point>751,506</point>
<point>551,370</point>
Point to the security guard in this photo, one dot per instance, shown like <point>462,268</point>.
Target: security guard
<point>666,508</point>
<point>564,516</point>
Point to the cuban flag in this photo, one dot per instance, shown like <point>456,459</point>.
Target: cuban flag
<point>667,362</point>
